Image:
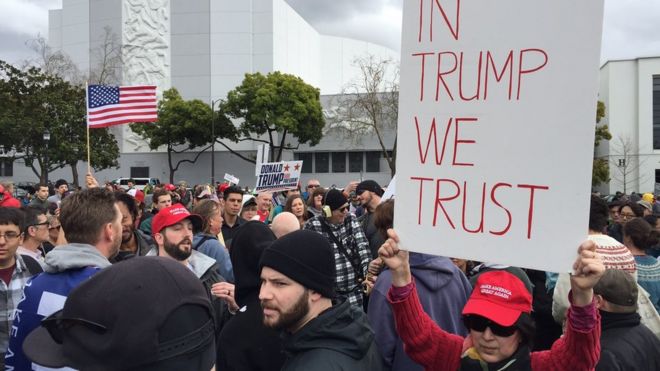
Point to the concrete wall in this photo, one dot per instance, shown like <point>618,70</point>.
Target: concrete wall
<point>627,91</point>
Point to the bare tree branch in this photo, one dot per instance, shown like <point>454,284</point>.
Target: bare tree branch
<point>368,105</point>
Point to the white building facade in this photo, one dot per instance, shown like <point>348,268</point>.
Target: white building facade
<point>204,48</point>
<point>630,90</point>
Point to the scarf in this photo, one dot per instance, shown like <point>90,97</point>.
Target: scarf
<point>519,361</point>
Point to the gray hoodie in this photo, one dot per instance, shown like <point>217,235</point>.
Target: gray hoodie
<point>74,256</point>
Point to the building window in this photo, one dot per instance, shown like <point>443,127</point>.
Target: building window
<point>373,162</point>
<point>355,162</point>
<point>307,158</point>
<point>338,162</point>
<point>656,112</point>
<point>139,171</point>
<point>322,162</point>
<point>7,167</point>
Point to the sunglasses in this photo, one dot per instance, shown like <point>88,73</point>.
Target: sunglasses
<point>57,326</point>
<point>313,186</point>
<point>342,209</point>
<point>56,227</point>
<point>479,323</point>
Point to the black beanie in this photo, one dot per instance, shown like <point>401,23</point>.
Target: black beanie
<point>371,186</point>
<point>306,257</point>
<point>335,199</point>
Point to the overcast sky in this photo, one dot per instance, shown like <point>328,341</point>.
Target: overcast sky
<point>631,27</point>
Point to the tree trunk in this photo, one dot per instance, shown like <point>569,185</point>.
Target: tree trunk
<point>169,162</point>
<point>279,153</point>
<point>74,173</point>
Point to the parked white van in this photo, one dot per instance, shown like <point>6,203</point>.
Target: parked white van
<point>140,183</point>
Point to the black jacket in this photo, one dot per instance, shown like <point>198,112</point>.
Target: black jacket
<point>626,344</point>
<point>338,339</point>
<point>374,237</point>
<point>246,344</point>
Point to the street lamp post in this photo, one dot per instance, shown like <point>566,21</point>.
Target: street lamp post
<point>213,102</point>
<point>46,140</point>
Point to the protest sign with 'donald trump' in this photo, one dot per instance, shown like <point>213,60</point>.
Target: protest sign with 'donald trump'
<point>278,176</point>
<point>496,110</point>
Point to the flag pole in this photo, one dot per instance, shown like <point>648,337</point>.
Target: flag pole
<point>89,162</point>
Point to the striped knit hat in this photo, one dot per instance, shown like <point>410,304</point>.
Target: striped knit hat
<point>615,255</point>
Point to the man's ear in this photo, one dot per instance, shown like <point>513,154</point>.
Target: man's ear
<point>108,232</point>
<point>158,238</point>
<point>314,296</point>
<point>600,302</point>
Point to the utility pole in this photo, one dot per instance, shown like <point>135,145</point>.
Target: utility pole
<point>213,102</point>
<point>46,140</point>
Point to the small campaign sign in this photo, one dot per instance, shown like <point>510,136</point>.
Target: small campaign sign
<point>278,176</point>
<point>231,179</point>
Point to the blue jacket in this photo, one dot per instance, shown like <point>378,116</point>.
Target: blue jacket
<point>65,268</point>
<point>211,247</point>
<point>443,291</point>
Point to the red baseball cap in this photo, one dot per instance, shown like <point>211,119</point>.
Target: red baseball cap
<point>137,194</point>
<point>222,187</point>
<point>499,296</point>
<point>169,187</point>
<point>172,215</point>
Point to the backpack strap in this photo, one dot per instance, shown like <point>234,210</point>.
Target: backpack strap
<point>202,240</point>
<point>32,265</point>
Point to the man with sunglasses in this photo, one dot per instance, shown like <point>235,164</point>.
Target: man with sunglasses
<point>14,272</point>
<point>35,233</point>
<point>368,193</point>
<point>312,184</point>
<point>91,221</point>
<point>349,243</point>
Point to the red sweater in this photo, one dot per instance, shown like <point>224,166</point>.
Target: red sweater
<point>437,350</point>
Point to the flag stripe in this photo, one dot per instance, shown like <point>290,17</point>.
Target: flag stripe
<point>116,108</point>
<point>126,120</point>
<point>123,96</point>
<point>141,87</point>
<point>150,111</point>
<point>113,105</point>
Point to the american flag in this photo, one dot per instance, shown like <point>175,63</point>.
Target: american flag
<point>115,105</point>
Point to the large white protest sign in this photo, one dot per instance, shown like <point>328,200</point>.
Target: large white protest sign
<point>497,108</point>
<point>278,176</point>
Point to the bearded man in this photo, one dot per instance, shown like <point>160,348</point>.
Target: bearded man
<point>296,294</point>
<point>173,229</point>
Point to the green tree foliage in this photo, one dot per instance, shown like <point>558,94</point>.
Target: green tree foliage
<point>601,170</point>
<point>183,125</point>
<point>32,102</point>
<point>276,105</point>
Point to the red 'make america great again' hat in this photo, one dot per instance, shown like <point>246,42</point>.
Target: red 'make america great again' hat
<point>499,296</point>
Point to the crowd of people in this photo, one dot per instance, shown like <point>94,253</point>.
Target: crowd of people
<point>215,277</point>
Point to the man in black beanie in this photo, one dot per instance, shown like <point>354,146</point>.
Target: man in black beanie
<point>349,244</point>
<point>297,288</point>
<point>369,194</point>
